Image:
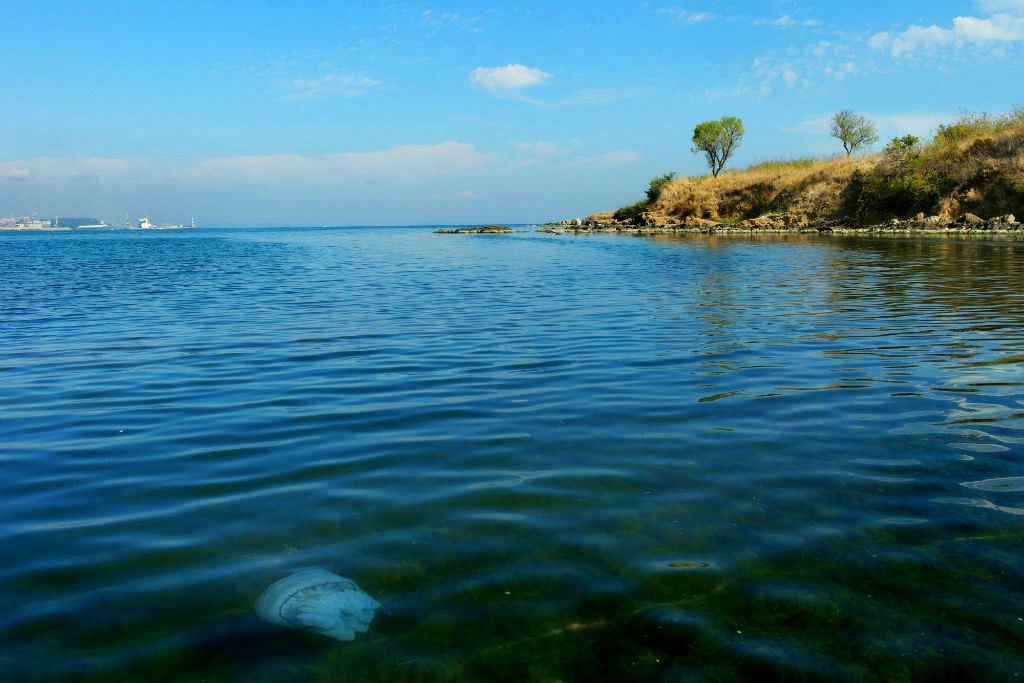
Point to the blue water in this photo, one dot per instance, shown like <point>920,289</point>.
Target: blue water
<point>549,457</point>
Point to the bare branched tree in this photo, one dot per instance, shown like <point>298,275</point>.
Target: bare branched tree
<point>853,130</point>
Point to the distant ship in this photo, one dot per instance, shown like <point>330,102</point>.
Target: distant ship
<point>144,224</point>
<point>102,225</point>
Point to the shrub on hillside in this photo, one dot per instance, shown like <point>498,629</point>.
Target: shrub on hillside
<point>970,126</point>
<point>632,213</point>
<point>975,164</point>
<point>657,185</point>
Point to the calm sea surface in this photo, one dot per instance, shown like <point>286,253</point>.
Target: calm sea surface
<point>549,457</point>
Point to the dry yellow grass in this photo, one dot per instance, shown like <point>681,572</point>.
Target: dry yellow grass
<point>813,188</point>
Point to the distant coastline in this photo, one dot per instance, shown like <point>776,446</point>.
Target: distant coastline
<point>33,223</point>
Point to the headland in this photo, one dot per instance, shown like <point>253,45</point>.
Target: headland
<point>968,180</point>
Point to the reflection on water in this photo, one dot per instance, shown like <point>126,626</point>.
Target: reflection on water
<point>548,457</point>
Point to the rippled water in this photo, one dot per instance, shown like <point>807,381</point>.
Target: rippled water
<point>549,457</point>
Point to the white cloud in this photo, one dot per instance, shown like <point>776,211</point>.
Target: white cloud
<point>509,80</point>
<point>989,32</point>
<point>16,173</point>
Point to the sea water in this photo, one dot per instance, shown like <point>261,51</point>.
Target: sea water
<point>549,457</point>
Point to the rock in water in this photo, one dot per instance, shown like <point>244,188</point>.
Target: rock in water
<point>320,601</point>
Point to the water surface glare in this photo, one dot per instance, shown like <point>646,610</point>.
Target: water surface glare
<point>549,457</point>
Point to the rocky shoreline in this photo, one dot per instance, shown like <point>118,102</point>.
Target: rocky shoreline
<point>787,223</point>
<point>771,224</point>
<point>488,229</point>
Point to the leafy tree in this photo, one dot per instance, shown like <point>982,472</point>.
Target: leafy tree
<point>853,130</point>
<point>657,185</point>
<point>717,140</point>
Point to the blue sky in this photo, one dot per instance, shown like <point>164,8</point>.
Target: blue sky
<point>385,113</point>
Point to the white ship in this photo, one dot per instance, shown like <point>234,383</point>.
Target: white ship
<point>144,224</point>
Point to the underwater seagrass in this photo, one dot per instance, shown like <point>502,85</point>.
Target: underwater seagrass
<point>320,601</point>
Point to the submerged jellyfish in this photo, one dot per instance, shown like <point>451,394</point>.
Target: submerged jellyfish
<point>320,601</point>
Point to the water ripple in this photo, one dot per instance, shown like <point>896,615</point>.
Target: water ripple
<point>549,457</point>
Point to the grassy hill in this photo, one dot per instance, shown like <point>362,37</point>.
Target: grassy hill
<point>973,166</point>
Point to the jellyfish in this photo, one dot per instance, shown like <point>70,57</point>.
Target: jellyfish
<point>320,601</point>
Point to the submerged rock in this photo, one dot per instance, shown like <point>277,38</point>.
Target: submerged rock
<point>320,601</point>
<point>485,229</point>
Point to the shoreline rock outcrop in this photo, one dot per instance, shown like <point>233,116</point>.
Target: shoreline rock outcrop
<point>796,223</point>
<point>487,229</point>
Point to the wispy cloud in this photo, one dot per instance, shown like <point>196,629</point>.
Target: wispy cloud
<point>537,152</point>
<point>686,16</point>
<point>510,80</point>
<point>331,84</point>
<point>815,65</point>
<point>403,165</point>
<point>995,6</point>
<point>438,19</point>
<point>991,33</point>
<point>543,149</point>
<point>786,21</point>
<point>555,155</point>
<point>603,96</point>
<point>618,157</point>
<point>45,168</point>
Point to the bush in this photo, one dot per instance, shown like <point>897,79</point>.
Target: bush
<point>900,184</point>
<point>657,185</point>
<point>902,145</point>
<point>632,213</point>
<point>971,125</point>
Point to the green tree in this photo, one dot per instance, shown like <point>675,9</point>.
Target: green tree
<point>717,140</point>
<point>853,130</point>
